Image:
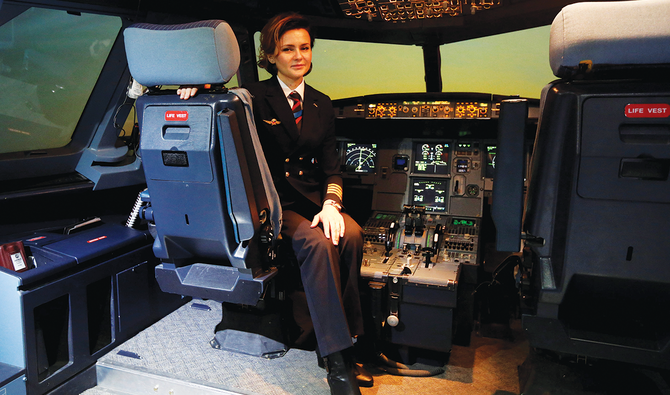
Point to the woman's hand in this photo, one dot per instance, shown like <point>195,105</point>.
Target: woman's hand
<point>333,223</point>
<point>187,92</point>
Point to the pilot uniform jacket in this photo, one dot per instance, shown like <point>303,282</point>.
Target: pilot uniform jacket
<point>305,169</point>
<point>302,162</point>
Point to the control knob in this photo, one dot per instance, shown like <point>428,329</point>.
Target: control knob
<point>393,320</point>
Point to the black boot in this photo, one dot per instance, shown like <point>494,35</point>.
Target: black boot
<point>341,375</point>
<point>363,377</point>
<point>363,351</point>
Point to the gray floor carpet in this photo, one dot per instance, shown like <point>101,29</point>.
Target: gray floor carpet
<point>178,346</point>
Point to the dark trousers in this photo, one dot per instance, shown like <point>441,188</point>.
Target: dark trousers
<point>330,278</point>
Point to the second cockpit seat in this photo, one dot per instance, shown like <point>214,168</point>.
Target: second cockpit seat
<point>210,195</point>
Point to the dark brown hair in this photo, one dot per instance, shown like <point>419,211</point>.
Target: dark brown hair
<point>273,31</point>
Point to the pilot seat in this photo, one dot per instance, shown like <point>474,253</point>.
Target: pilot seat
<point>596,283</point>
<point>209,191</point>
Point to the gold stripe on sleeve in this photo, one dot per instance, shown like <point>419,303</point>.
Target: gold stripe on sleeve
<point>335,189</point>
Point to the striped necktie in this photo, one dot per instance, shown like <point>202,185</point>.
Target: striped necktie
<point>297,107</point>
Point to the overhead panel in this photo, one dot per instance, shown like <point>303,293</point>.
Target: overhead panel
<point>403,10</point>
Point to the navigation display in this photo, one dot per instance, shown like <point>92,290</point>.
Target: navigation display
<point>431,158</point>
<point>430,193</point>
<point>360,158</point>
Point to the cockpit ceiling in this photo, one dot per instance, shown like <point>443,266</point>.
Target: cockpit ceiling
<point>426,22</point>
<point>409,22</point>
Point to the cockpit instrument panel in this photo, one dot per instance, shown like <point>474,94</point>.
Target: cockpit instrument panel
<point>471,110</point>
<point>440,109</point>
<point>360,158</point>
<point>430,193</point>
<point>431,158</point>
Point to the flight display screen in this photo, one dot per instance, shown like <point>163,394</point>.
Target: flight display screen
<point>431,158</point>
<point>430,193</point>
<point>360,158</point>
<point>490,169</point>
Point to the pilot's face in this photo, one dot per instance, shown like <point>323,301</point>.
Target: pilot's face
<point>293,56</point>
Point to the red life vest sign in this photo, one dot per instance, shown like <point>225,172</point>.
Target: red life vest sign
<point>176,115</point>
<point>658,110</point>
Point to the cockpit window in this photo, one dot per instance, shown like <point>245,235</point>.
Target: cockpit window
<point>345,69</point>
<point>514,63</point>
<point>49,62</point>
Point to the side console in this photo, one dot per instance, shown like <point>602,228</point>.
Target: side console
<point>71,295</point>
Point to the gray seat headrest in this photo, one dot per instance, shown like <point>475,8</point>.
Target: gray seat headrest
<point>188,54</point>
<point>612,33</point>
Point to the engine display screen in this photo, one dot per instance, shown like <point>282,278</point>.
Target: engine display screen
<point>431,158</point>
<point>360,158</point>
<point>430,193</point>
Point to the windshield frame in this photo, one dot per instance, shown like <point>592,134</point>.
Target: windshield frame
<point>106,95</point>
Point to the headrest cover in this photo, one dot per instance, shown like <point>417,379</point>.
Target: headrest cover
<point>613,33</point>
<point>195,53</point>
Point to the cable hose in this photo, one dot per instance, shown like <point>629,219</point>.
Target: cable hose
<point>136,210</point>
<point>400,369</point>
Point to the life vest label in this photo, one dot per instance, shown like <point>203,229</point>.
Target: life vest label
<point>657,110</point>
<point>176,115</point>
